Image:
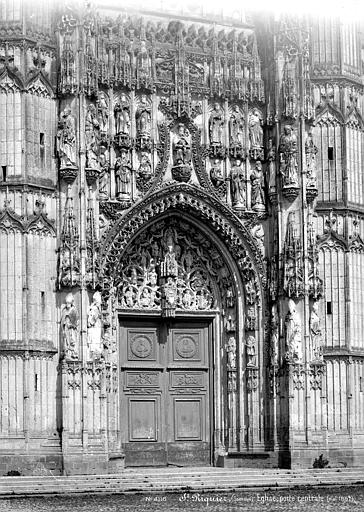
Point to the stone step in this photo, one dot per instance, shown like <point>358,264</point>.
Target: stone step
<point>156,483</point>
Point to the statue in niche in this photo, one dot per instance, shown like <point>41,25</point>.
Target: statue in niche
<point>122,117</point>
<point>92,128</point>
<point>274,336</point>
<point>94,326</point>
<point>288,157</point>
<point>69,325</point>
<point>231,353</point>
<point>145,167</point>
<point>145,298</point>
<point>251,318</point>
<point>104,176</point>
<point>143,62</point>
<point>66,139</point>
<point>143,118</point>
<point>316,336</point>
<point>251,356</point>
<point>216,175</point>
<point>103,112</point>
<point>257,188</point>
<point>272,171</point>
<point>237,184</point>
<point>216,125</point>
<point>255,130</point>
<point>236,127</point>
<point>293,334</point>
<point>123,176</point>
<point>181,148</point>
<point>311,151</point>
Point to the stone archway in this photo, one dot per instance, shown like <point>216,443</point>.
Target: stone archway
<point>215,280</point>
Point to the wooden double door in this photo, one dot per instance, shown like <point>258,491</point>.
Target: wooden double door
<point>165,399</point>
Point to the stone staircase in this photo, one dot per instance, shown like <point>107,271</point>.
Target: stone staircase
<point>148,480</point>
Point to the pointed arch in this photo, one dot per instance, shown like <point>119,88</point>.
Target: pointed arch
<point>228,228</point>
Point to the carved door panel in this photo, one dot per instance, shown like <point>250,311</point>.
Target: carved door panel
<point>165,393</point>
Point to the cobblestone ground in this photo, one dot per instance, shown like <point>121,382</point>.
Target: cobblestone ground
<point>338,499</point>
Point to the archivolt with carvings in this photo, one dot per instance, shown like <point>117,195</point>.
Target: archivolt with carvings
<point>192,200</point>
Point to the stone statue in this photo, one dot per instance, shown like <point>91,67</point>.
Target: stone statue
<point>288,157</point>
<point>216,124</point>
<point>145,167</point>
<point>236,127</point>
<point>255,130</point>
<point>104,176</point>
<point>69,326</point>
<point>103,112</point>
<point>316,337</point>
<point>91,137</point>
<point>257,188</point>
<point>237,185</point>
<point>272,171</point>
<point>143,62</point>
<point>231,353</point>
<point>143,118</point>
<point>251,357</point>
<point>123,177</point>
<point>94,326</point>
<point>293,334</point>
<point>66,139</point>
<point>181,147</point>
<point>274,336</point>
<point>216,175</point>
<point>122,118</point>
<point>311,151</point>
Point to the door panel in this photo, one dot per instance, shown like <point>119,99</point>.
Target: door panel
<point>165,395</point>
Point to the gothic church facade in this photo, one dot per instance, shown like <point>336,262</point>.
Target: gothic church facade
<point>181,239</point>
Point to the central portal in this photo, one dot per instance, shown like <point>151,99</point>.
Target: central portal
<point>165,398</point>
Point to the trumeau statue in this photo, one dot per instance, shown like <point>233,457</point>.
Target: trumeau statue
<point>255,130</point>
<point>69,325</point>
<point>66,139</point>
<point>316,337</point>
<point>237,185</point>
<point>293,334</point>
<point>257,188</point>
<point>94,326</point>
<point>216,125</point>
<point>288,157</point>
